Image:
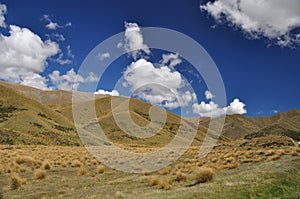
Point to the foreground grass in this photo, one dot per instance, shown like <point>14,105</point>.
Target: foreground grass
<point>270,178</point>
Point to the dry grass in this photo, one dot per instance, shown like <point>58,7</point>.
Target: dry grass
<point>203,174</point>
<point>16,181</point>
<point>179,176</point>
<point>40,174</point>
<point>100,169</point>
<point>119,194</point>
<point>161,182</point>
<point>46,165</point>
<point>76,163</point>
<point>82,171</point>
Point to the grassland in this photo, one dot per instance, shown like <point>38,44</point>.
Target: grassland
<point>71,172</point>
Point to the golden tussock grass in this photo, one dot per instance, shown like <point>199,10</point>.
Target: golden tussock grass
<point>46,165</point>
<point>16,181</point>
<point>40,174</point>
<point>119,194</point>
<point>76,163</point>
<point>180,177</point>
<point>161,183</point>
<point>82,171</point>
<point>203,174</point>
<point>100,169</point>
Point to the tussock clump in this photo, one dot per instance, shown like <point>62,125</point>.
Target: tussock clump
<point>100,169</point>
<point>119,194</point>
<point>82,171</point>
<point>28,161</point>
<point>76,163</point>
<point>16,182</point>
<point>165,171</point>
<point>46,165</point>
<point>161,183</point>
<point>203,174</point>
<point>273,157</point>
<point>179,176</point>
<point>40,174</point>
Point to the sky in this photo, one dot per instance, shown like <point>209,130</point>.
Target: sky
<point>255,46</point>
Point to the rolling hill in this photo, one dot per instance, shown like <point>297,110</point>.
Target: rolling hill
<point>32,116</point>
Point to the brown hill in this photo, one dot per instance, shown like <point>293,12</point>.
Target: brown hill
<point>32,122</point>
<point>31,115</point>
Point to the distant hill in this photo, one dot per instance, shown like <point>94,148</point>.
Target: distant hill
<point>31,122</point>
<point>239,126</point>
<point>32,116</point>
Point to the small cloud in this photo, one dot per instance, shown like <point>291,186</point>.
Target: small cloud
<point>68,24</point>
<point>172,59</point>
<point>208,95</point>
<point>103,92</point>
<point>134,41</point>
<point>54,25</point>
<point>56,36</point>
<point>62,61</point>
<point>69,52</point>
<point>274,111</point>
<point>3,11</point>
<point>103,56</point>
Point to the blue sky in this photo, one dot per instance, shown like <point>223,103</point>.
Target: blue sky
<point>259,65</point>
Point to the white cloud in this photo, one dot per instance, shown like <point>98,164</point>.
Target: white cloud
<point>272,19</point>
<point>275,111</point>
<point>212,109</point>
<point>103,56</point>
<point>236,107</point>
<point>61,60</point>
<point>69,81</point>
<point>208,95</point>
<point>3,11</point>
<point>112,93</point>
<point>23,55</point>
<point>134,41</point>
<point>68,24</point>
<point>171,59</point>
<point>69,52</point>
<point>35,80</point>
<point>54,25</point>
<point>157,85</point>
<point>56,36</point>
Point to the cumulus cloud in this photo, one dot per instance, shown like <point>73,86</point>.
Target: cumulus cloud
<point>171,59</point>
<point>134,41</point>
<point>23,55</point>
<point>3,11</point>
<point>69,81</point>
<point>273,19</point>
<point>103,56</point>
<point>208,95</point>
<point>212,109</point>
<point>157,85</point>
<point>104,92</point>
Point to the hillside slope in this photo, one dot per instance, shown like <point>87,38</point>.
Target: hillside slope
<point>31,122</point>
<point>29,116</point>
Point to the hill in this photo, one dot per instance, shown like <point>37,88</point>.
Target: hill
<point>26,121</point>
<point>32,116</point>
